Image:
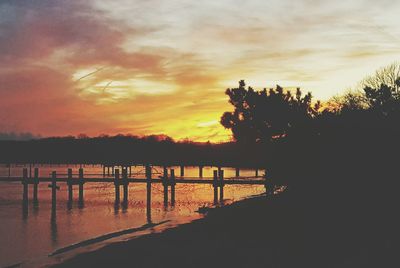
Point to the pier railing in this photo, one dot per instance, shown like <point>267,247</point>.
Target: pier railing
<point>124,179</point>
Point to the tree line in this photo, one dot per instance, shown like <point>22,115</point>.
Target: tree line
<point>264,115</point>
<point>128,149</point>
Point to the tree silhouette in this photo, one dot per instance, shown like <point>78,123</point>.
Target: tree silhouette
<point>380,95</point>
<point>385,99</point>
<point>260,115</point>
<point>351,101</point>
<point>389,75</point>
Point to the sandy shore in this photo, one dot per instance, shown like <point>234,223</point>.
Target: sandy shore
<point>259,232</point>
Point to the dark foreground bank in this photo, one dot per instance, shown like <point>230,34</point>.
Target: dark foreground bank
<point>259,232</point>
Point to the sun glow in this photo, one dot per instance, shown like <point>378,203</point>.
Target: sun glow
<point>99,67</point>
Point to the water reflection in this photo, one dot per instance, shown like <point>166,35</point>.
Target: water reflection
<point>53,228</point>
<point>24,210</point>
<point>48,228</point>
<point>116,207</point>
<point>35,209</point>
<point>124,207</point>
<point>81,204</point>
<point>69,204</point>
<point>148,203</point>
<point>35,204</point>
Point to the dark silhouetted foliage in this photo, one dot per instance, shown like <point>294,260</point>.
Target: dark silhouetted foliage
<point>260,115</point>
<point>125,149</point>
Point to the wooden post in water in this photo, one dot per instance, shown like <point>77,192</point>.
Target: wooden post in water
<point>256,172</point>
<point>182,170</point>
<point>35,185</point>
<point>104,170</point>
<point>221,185</point>
<point>165,184</point>
<point>116,184</point>
<point>81,182</point>
<point>70,182</point>
<point>112,170</point>
<point>130,171</point>
<point>215,185</point>
<point>53,191</point>
<point>25,186</point>
<point>108,170</point>
<point>148,188</point>
<point>172,182</point>
<point>200,171</point>
<point>125,184</point>
<point>237,172</point>
<point>148,173</point>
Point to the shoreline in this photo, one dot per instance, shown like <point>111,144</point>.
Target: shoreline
<point>105,237</point>
<point>66,253</point>
<point>61,257</point>
<point>110,254</point>
<point>264,231</point>
<point>63,254</point>
<point>186,210</point>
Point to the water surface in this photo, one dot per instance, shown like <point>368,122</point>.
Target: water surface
<point>30,237</point>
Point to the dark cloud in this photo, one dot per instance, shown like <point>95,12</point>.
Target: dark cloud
<point>78,32</point>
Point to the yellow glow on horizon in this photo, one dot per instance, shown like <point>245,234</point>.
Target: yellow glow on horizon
<point>105,67</point>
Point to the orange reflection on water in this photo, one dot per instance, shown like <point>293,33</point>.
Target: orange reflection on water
<point>25,237</point>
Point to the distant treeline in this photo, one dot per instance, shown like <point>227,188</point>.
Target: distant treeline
<point>126,149</point>
<point>272,128</point>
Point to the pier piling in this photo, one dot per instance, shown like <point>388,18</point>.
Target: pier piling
<point>125,185</point>
<point>70,189</point>
<point>53,191</point>
<point>25,186</point>
<point>81,182</point>
<point>165,185</point>
<point>218,181</point>
<point>35,185</point>
<point>215,185</point>
<point>172,182</point>
<point>116,184</point>
<point>148,190</point>
<point>221,185</point>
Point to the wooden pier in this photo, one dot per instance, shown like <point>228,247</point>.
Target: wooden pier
<point>123,178</point>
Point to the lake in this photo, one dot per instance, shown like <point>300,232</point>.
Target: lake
<point>29,238</point>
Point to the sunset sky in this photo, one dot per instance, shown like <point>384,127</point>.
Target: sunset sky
<point>153,67</point>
